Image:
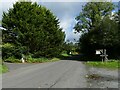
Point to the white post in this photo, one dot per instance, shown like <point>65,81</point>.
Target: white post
<point>22,59</point>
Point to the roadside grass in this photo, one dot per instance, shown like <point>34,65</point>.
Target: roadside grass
<point>41,60</point>
<point>3,69</point>
<point>29,59</point>
<point>112,64</point>
<point>12,60</point>
<point>65,54</point>
<point>68,55</point>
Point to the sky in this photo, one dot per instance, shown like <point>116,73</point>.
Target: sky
<point>65,10</point>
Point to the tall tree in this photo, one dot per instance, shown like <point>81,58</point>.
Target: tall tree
<point>91,15</point>
<point>99,27</point>
<point>33,27</point>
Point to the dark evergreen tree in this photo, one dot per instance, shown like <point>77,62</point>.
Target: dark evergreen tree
<point>33,28</point>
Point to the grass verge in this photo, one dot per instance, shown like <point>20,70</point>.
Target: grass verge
<point>42,60</point>
<point>112,64</point>
<point>31,60</point>
<point>3,69</point>
<point>65,55</point>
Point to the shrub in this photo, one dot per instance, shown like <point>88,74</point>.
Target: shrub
<point>7,50</point>
<point>12,60</point>
<point>40,60</point>
<point>42,36</point>
<point>36,60</point>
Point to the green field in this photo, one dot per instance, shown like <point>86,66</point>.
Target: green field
<point>113,64</point>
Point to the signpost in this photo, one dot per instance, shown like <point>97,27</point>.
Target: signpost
<point>103,54</point>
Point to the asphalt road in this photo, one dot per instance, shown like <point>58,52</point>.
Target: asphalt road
<point>60,74</point>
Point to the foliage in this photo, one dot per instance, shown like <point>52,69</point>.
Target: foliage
<point>70,47</point>
<point>112,64</point>
<point>99,29</point>
<point>30,59</point>
<point>12,60</point>
<point>3,69</point>
<point>91,14</point>
<point>41,60</point>
<point>105,37</point>
<point>54,59</point>
<point>65,54</point>
<point>10,50</point>
<point>33,28</point>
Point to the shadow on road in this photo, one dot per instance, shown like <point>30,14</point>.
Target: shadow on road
<point>72,57</point>
<point>81,57</point>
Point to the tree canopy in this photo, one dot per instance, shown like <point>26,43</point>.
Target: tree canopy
<point>32,28</point>
<point>99,27</point>
<point>92,14</point>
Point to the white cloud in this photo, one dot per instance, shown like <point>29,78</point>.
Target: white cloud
<point>66,12</point>
<point>72,36</point>
<point>67,23</point>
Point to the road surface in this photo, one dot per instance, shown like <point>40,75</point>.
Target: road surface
<point>60,74</point>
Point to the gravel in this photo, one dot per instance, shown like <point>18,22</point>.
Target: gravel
<point>102,78</point>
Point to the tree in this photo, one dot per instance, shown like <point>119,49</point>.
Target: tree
<point>92,14</point>
<point>99,29</point>
<point>70,47</point>
<point>33,27</point>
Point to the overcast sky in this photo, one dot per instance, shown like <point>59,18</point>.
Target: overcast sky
<point>65,11</point>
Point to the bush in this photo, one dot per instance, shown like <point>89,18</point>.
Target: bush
<point>10,50</point>
<point>30,59</point>
<point>7,50</point>
<point>40,60</point>
<point>35,60</point>
<point>12,60</point>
